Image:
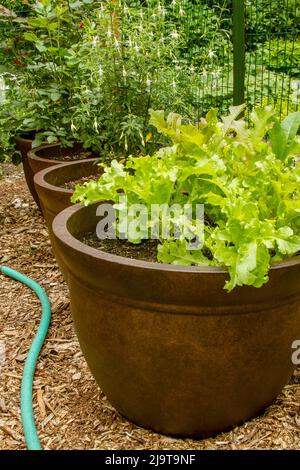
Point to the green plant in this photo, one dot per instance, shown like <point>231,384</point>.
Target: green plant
<point>249,186</point>
<point>124,68</point>
<point>137,55</point>
<point>12,115</point>
<point>12,43</point>
<point>39,87</point>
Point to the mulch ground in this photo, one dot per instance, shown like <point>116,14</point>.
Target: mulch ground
<point>71,412</point>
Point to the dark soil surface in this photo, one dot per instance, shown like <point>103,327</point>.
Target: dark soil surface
<point>145,251</point>
<point>84,179</point>
<point>72,156</point>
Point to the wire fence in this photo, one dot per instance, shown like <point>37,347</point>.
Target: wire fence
<point>202,52</point>
<point>272,58</point>
<point>273,53</point>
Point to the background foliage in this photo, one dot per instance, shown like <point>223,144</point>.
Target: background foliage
<point>90,70</point>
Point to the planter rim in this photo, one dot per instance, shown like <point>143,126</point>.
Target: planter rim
<point>21,138</point>
<point>32,152</point>
<point>43,147</point>
<point>61,231</point>
<point>39,177</point>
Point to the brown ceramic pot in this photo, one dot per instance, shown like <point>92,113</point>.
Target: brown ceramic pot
<point>43,157</point>
<point>53,198</point>
<point>50,155</point>
<point>24,144</point>
<point>171,349</point>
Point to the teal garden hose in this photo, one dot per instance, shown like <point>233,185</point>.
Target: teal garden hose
<point>28,423</point>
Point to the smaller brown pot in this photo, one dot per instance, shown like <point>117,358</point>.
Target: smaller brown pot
<point>24,145</point>
<point>51,155</point>
<point>53,198</point>
<point>45,156</point>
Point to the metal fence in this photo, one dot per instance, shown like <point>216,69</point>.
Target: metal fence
<point>212,64</point>
<point>273,53</point>
<point>237,48</point>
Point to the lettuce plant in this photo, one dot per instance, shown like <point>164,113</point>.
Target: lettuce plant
<point>245,173</point>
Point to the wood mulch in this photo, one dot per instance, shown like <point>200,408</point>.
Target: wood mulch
<point>71,412</point>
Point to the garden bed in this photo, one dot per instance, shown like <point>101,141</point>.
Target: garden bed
<point>68,410</point>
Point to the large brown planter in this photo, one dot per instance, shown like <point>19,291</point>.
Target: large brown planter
<point>168,346</point>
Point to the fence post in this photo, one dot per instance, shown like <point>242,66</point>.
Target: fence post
<point>238,38</point>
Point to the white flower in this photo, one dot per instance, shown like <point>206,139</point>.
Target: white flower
<point>161,10</point>
<point>148,85</point>
<point>95,40</point>
<point>174,84</point>
<point>174,34</point>
<point>100,71</point>
<point>109,33</point>
<point>211,54</point>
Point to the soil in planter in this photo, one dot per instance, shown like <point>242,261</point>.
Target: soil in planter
<point>84,179</point>
<point>145,251</point>
<point>30,135</point>
<point>71,157</point>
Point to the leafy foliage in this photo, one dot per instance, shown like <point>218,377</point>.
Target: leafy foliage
<point>40,82</point>
<point>90,70</point>
<point>248,184</point>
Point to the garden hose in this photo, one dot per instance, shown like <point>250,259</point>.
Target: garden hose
<point>29,428</point>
